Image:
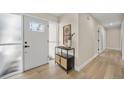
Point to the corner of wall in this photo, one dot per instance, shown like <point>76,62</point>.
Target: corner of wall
<point>122,38</point>
<point>78,68</point>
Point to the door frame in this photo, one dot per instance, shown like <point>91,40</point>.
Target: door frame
<point>23,43</point>
<point>57,34</point>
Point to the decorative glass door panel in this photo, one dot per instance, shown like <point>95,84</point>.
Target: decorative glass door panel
<point>10,44</point>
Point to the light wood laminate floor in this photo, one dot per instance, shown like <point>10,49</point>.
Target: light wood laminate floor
<point>107,65</point>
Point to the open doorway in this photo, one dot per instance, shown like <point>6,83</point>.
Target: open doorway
<point>53,39</point>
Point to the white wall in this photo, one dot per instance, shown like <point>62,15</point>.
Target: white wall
<point>88,36</point>
<point>122,38</point>
<point>114,38</point>
<point>69,18</point>
<point>85,41</point>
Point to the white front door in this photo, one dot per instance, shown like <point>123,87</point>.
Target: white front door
<point>35,42</point>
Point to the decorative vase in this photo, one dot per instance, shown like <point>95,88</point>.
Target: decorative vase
<point>69,43</point>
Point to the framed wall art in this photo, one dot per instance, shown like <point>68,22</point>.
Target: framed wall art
<point>67,35</point>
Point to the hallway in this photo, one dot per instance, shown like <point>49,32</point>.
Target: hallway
<point>107,65</point>
<point>61,46</point>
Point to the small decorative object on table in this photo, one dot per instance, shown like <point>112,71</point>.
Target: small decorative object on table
<point>65,57</point>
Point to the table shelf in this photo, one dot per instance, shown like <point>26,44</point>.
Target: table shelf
<point>64,58</point>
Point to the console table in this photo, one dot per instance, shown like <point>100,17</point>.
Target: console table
<point>65,57</point>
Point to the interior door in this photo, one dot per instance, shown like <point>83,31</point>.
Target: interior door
<point>100,41</point>
<point>35,42</point>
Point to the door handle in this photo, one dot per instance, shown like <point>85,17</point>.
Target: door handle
<point>26,46</point>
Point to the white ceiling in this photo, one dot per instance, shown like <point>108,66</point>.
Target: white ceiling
<point>109,20</point>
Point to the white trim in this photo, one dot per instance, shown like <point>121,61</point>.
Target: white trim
<point>114,48</point>
<point>122,57</point>
<point>22,29</point>
<point>10,44</point>
<point>78,68</point>
<point>101,51</point>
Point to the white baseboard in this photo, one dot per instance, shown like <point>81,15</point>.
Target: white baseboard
<point>114,48</point>
<point>101,51</point>
<point>78,68</point>
<point>122,57</point>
